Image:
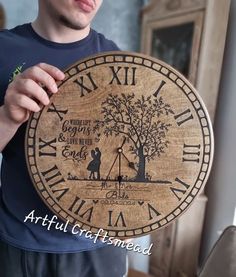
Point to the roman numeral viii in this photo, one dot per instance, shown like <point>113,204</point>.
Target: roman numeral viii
<point>54,178</point>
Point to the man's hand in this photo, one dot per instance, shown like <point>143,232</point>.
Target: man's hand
<point>26,94</point>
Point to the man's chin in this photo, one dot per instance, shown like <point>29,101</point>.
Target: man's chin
<point>72,25</point>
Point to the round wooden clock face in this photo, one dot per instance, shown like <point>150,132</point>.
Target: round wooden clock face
<point>125,145</point>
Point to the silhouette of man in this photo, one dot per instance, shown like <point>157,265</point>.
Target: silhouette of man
<point>98,160</point>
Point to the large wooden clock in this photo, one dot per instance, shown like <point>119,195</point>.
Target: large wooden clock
<point>125,145</point>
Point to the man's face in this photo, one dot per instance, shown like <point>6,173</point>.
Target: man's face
<point>75,14</point>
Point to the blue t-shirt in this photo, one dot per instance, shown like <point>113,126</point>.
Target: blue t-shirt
<point>21,48</point>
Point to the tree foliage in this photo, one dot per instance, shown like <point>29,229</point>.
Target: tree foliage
<point>137,119</point>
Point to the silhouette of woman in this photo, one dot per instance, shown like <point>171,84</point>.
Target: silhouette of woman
<point>92,166</point>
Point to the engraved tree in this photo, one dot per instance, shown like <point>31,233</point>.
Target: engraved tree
<point>137,119</point>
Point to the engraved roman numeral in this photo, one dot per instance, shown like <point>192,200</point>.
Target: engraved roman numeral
<point>183,117</point>
<point>191,153</point>
<point>159,88</point>
<point>119,221</point>
<point>60,113</point>
<point>180,190</point>
<point>80,207</point>
<point>60,193</point>
<point>152,212</point>
<point>90,84</point>
<point>123,75</point>
<point>53,176</point>
<point>46,148</point>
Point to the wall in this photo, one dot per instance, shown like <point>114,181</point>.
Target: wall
<point>120,21</point>
<point>221,188</point>
<point>19,12</point>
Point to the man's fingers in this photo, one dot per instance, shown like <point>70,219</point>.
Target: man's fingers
<point>44,75</point>
<point>28,91</point>
<point>31,89</point>
<point>52,70</point>
<point>26,103</point>
<point>40,76</point>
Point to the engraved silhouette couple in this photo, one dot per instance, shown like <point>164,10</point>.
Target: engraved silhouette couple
<point>94,165</point>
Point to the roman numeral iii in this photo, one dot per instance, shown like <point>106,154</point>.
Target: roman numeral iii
<point>191,153</point>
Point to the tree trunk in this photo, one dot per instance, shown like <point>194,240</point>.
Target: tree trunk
<point>141,166</point>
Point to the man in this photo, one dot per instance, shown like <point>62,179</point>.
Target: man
<point>98,159</point>
<point>32,57</point>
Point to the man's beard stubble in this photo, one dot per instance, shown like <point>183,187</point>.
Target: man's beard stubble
<point>63,19</point>
<point>68,23</point>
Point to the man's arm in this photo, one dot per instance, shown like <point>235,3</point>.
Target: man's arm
<point>25,95</point>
